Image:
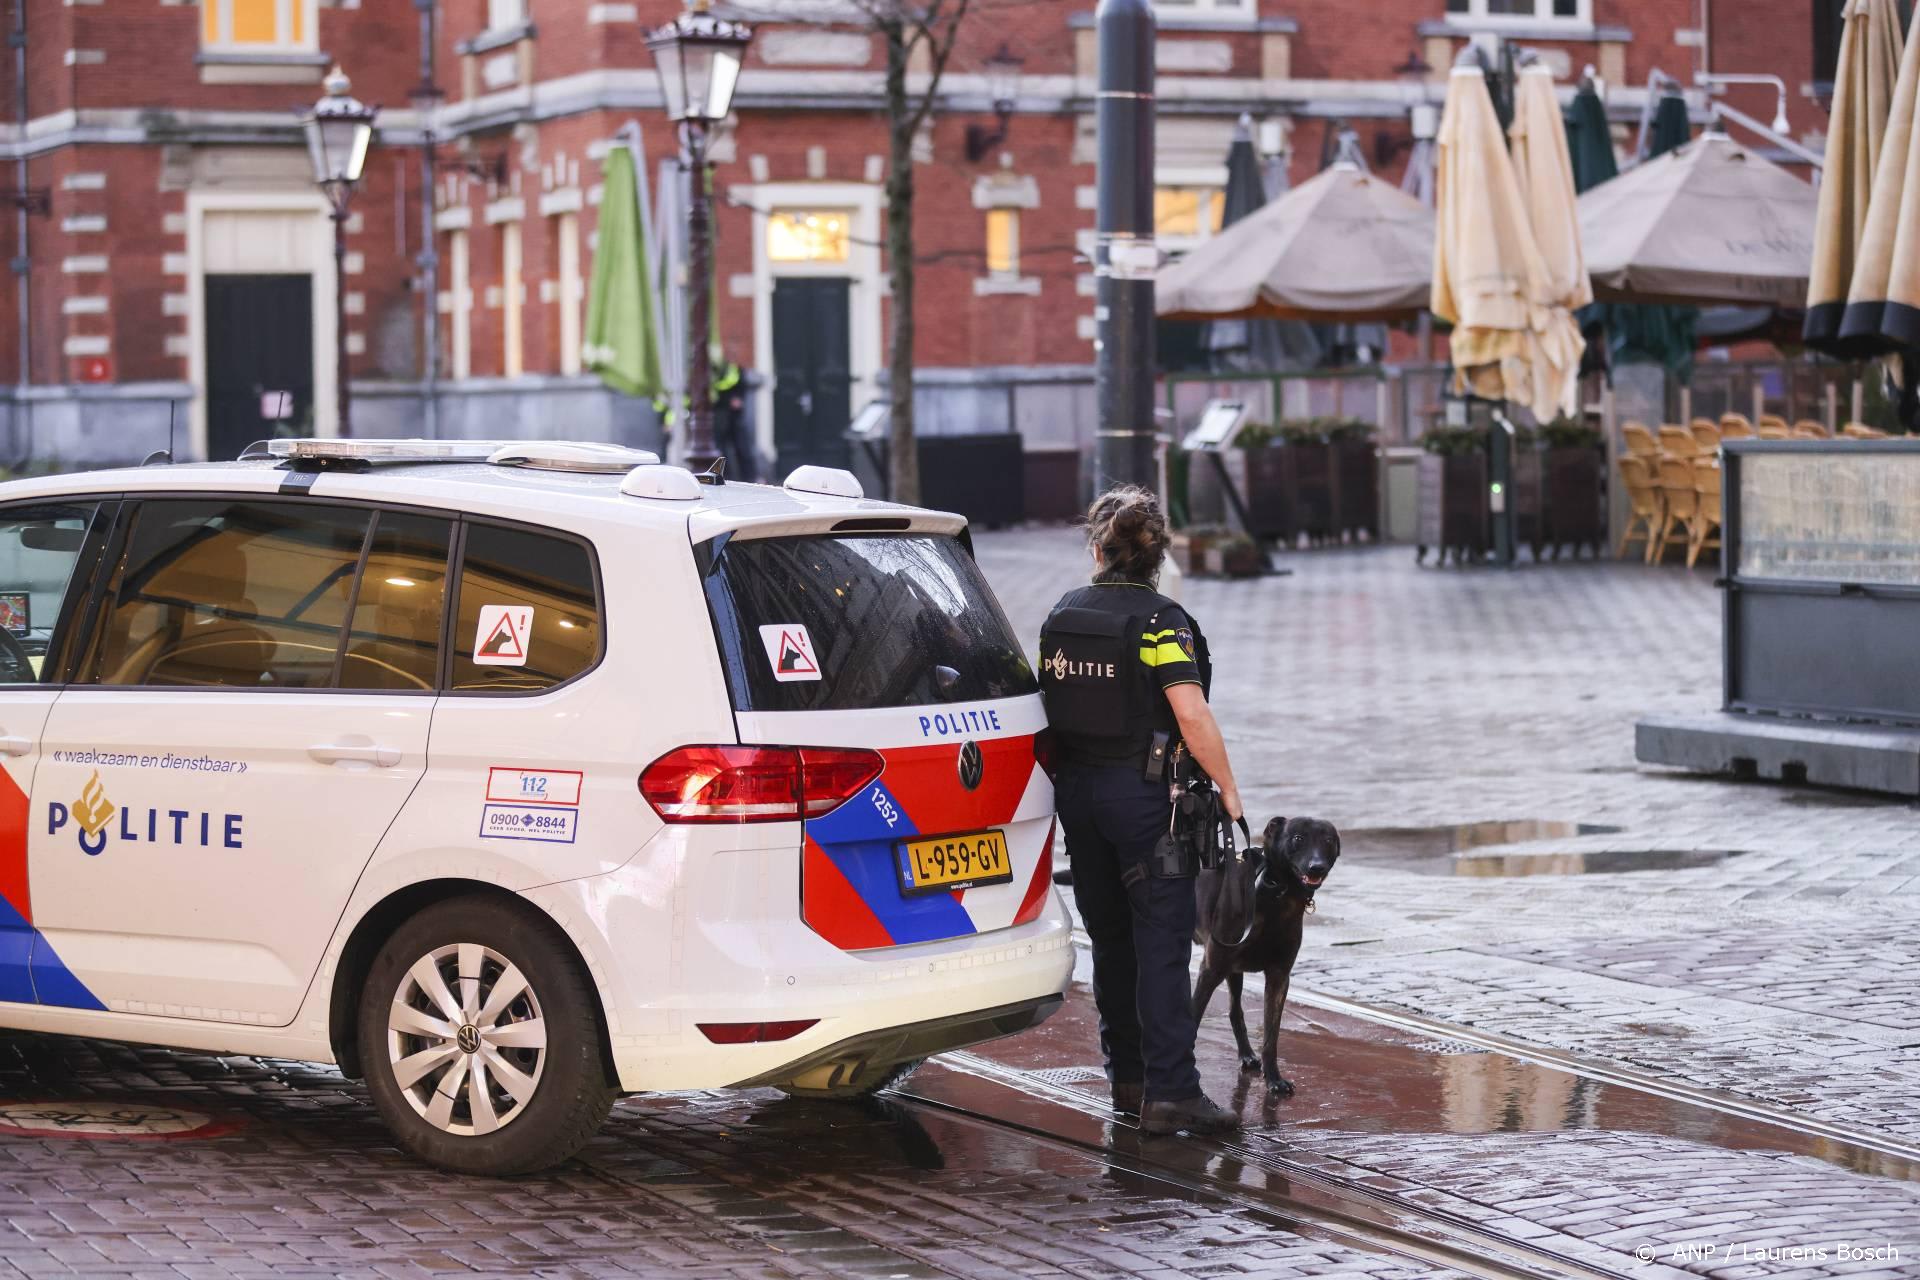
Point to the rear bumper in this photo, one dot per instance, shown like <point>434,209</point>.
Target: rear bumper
<point>858,1055</point>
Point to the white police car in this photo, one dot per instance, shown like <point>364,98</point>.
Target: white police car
<point>512,777</point>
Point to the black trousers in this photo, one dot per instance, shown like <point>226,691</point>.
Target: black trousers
<point>1141,927</point>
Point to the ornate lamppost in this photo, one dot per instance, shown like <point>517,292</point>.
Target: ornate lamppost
<point>339,131</point>
<point>698,57</point>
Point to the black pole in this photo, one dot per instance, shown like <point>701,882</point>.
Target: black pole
<point>1124,255</point>
<point>342,395</point>
<point>701,451</point>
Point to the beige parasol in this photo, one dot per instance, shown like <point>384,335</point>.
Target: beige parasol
<point>1709,222</point>
<point>1883,302</point>
<point>1545,170</point>
<point>1513,336</point>
<point>1343,246</point>
<point>1870,48</point>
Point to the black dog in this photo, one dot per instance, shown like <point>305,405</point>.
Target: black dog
<point>1295,856</point>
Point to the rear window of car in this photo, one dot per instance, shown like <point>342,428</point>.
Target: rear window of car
<point>842,622</point>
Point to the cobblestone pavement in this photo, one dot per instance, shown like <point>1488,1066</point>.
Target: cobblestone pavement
<point>747,1186</point>
<point>1385,696</point>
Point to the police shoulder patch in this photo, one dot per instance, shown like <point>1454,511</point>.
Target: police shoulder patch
<point>1184,638</point>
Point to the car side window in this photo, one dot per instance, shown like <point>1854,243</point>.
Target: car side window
<point>40,552</point>
<point>229,593</point>
<point>394,643</point>
<point>528,614</point>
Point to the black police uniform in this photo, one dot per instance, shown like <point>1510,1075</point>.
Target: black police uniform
<point>1108,653</point>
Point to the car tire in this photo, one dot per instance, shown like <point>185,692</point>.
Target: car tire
<point>517,1084</point>
<point>861,1086</point>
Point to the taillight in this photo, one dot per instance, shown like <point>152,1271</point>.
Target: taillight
<point>1044,751</point>
<point>755,784</point>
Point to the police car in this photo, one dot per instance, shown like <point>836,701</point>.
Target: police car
<point>514,776</point>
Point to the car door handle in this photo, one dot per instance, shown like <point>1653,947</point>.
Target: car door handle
<point>355,753</point>
<point>10,746</point>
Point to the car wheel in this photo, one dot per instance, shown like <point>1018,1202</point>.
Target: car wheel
<point>480,1035</point>
<point>864,1085</point>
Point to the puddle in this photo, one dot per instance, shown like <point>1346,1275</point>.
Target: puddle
<point>1471,849</point>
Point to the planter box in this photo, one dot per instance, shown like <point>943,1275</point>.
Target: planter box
<point>1326,492</point>
<point>1575,500</point>
<point>1453,506</point>
<point>1356,493</point>
<point>1557,497</point>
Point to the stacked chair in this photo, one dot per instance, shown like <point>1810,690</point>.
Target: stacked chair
<point>1672,481</point>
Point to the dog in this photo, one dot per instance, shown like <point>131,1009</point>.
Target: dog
<point>1295,856</point>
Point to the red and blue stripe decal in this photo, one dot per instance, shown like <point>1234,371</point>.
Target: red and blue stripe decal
<point>850,885</point>
<point>30,972</point>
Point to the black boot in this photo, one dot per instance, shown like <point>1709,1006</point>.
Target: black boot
<point>1198,1114</point>
<point>1127,1097</point>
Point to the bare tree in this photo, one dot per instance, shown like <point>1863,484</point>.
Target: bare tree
<point>922,31</point>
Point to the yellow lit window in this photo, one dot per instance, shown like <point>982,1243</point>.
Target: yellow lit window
<point>1003,242</point>
<point>809,235</point>
<point>257,25</point>
<point>1187,212</point>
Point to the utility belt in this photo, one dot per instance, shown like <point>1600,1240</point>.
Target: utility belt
<point>1199,833</point>
<point>1155,761</point>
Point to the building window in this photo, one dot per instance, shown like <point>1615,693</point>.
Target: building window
<point>512,363</point>
<point>1187,215</point>
<point>1178,9</point>
<point>572,291</point>
<point>810,235</point>
<point>1003,243</point>
<point>1562,11</point>
<point>505,15</point>
<point>460,309</point>
<point>258,26</point>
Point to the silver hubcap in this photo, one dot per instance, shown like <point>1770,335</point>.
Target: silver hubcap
<point>466,1039</point>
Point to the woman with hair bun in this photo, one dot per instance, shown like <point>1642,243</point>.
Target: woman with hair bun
<point>1124,673</point>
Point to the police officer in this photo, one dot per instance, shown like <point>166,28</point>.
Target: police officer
<point>1124,673</point>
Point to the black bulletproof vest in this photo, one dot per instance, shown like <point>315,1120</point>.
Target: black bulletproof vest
<point>1103,703</point>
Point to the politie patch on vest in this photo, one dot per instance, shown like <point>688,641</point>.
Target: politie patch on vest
<point>502,636</point>
<point>1184,638</point>
<point>790,651</point>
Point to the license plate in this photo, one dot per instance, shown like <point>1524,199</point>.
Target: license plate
<point>954,862</point>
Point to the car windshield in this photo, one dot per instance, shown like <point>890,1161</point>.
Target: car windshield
<point>850,621</point>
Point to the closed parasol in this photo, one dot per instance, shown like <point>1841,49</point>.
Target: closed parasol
<point>1513,336</point>
<point>1883,302</point>
<point>1870,49</point>
<point>1711,222</point>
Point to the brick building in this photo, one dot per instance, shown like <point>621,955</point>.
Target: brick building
<point>177,262</point>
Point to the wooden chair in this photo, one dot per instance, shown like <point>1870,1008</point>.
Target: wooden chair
<point>1801,433</point>
<point>1706,435</point>
<point>1861,431</point>
<point>1813,429</point>
<point>1640,441</point>
<point>1774,433</point>
<point>1679,502</point>
<point>1678,442</point>
<point>1775,421</point>
<point>1740,429</point>
<point>1647,510</point>
<point>1704,528</point>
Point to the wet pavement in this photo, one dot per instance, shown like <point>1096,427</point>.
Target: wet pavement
<point>1746,953</point>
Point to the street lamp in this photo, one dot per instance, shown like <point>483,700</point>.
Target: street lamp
<point>339,131</point>
<point>698,57</point>
<point>1002,71</point>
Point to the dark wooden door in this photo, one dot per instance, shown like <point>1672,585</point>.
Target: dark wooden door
<point>259,340</point>
<point>812,365</point>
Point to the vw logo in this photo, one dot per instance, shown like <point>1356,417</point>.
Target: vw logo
<point>972,766</point>
<point>469,1038</point>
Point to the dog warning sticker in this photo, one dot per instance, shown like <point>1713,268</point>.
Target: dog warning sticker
<point>502,636</point>
<point>790,650</point>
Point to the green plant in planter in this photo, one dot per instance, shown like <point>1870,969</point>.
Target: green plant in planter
<point>1453,442</point>
<point>1258,435</point>
<point>1569,433</point>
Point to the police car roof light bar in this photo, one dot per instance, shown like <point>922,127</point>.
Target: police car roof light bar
<point>832,482</point>
<point>384,450</point>
<point>591,457</point>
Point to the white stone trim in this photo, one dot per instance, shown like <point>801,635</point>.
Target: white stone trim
<point>179,344</point>
<point>173,224</point>
<point>84,182</point>
<point>356,304</point>
<point>991,286</point>
<point>83,223</point>
<point>740,284</point>
<point>1086,284</point>
<point>876,169</point>
<point>604,13</point>
<point>510,209</point>
<point>84,264</point>
<point>459,218</point>
<point>355,263</point>
<point>565,200</point>
<point>176,304</point>
<point>1087,327</point>
<point>177,264</point>
<point>84,305</point>
<point>1005,191</point>
<point>1087,197</point>
<point>356,344</point>
<point>87,345</point>
<point>83,57</point>
<point>816,163</point>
